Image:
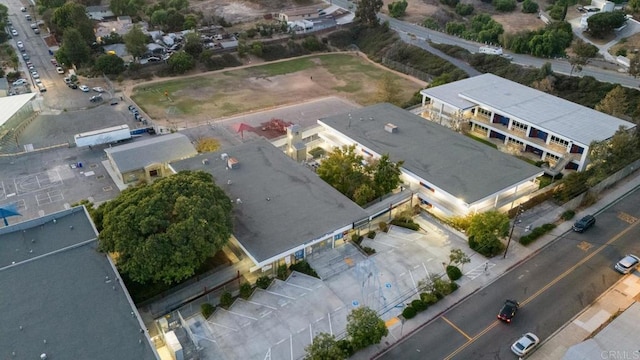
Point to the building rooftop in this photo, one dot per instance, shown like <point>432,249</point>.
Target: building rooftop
<point>9,105</point>
<point>159,149</point>
<point>559,116</point>
<point>64,299</point>
<point>283,204</point>
<point>461,166</point>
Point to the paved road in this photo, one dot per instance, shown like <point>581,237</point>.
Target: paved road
<point>552,287</point>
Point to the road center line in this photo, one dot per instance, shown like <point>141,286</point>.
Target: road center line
<point>539,292</point>
<point>456,328</point>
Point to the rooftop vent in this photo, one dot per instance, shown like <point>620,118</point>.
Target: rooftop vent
<point>390,128</point>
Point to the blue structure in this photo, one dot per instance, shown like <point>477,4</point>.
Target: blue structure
<point>9,210</point>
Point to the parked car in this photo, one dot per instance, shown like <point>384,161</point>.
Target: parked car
<point>59,70</point>
<point>35,75</point>
<point>34,25</point>
<point>19,82</point>
<point>14,32</point>
<point>113,102</point>
<point>28,17</point>
<point>25,56</point>
<point>96,98</point>
<point>508,310</point>
<point>41,88</point>
<point>29,63</point>
<point>72,85</point>
<point>67,80</point>
<point>525,344</point>
<point>627,264</point>
<point>54,62</point>
<point>20,45</point>
<point>37,31</point>
<point>31,68</point>
<point>584,223</point>
<point>98,89</point>
<point>38,81</point>
<point>23,9</point>
<point>84,88</point>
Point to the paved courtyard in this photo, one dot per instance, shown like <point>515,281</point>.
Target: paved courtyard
<point>283,319</point>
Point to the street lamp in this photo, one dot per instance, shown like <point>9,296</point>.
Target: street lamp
<point>515,220</point>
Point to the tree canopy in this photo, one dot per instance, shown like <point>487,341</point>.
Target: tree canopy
<point>181,62</point>
<point>362,182</point>
<point>601,24</point>
<point>324,347</point>
<point>73,50</point>
<point>582,53</point>
<point>136,42</point>
<point>109,64</point>
<point>615,103</point>
<point>364,328</point>
<point>72,15</point>
<point>367,12</point>
<point>162,232</point>
<point>485,231</point>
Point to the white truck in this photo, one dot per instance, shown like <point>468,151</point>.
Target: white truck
<point>490,50</point>
<point>103,136</point>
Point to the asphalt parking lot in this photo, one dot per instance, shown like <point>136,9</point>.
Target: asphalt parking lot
<point>45,182</point>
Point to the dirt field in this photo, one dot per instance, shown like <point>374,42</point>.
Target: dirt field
<point>211,96</point>
<point>512,22</point>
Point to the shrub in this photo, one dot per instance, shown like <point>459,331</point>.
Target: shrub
<point>568,215</point>
<point>529,7</point>
<point>397,8</point>
<point>346,347</point>
<point>442,287</point>
<point>621,52</point>
<point>383,226</point>
<point>453,272</point>
<point>428,298</point>
<point>450,3</point>
<point>282,272</point>
<point>317,152</point>
<point>406,224</point>
<point>371,234</point>
<point>304,267</point>
<point>409,312</point>
<point>419,305</point>
<point>263,282</point>
<point>207,309</point>
<point>245,290</point>
<point>431,23</point>
<point>369,250</point>
<point>453,286</point>
<point>226,299</point>
<point>311,43</point>
<point>536,233</point>
<point>464,9</point>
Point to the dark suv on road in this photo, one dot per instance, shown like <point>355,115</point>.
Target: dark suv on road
<point>584,223</point>
<point>508,310</point>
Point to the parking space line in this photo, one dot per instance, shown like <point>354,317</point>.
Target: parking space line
<point>456,328</point>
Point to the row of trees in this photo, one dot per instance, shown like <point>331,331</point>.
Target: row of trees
<point>482,28</point>
<point>361,181</point>
<point>551,41</point>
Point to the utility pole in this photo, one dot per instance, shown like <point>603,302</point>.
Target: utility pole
<point>515,220</point>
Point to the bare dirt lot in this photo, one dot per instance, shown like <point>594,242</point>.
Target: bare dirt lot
<point>210,96</point>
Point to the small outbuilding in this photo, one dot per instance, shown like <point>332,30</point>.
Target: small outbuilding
<point>147,159</point>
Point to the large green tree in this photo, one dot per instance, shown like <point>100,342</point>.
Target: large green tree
<point>364,328</point>
<point>615,103</point>
<point>386,176</point>
<point>343,169</point>
<point>136,42</point>
<point>74,49</point>
<point>126,7</point>
<point>193,44</point>
<point>367,12</point>
<point>72,15</point>
<point>162,232</point>
<point>601,24</point>
<point>324,347</point>
<point>109,64</point>
<point>485,231</point>
<point>181,62</point>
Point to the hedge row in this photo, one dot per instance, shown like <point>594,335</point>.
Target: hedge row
<point>440,289</point>
<point>536,233</point>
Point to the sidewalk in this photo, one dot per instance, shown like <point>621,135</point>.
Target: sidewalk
<point>554,347</point>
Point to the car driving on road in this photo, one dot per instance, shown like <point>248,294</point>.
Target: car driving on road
<point>525,344</point>
<point>627,264</point>
<point>508,310</point>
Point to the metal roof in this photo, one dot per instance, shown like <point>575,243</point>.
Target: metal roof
<point>463,167</point>
<point>283,204</point>
<point>546,112</point>
<point>62,296</point>
<point>159,149</point>
<point>9,105</point>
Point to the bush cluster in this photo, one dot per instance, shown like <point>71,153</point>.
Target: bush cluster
<point>304,267</point>
<point>226,299</point>
<point>263,282</point>
<point>406,224</point>
<point>245,290</point>
<point>536,233</point>
<point>371,234</point>
<point>568,215</point>
<point>437,290</point>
